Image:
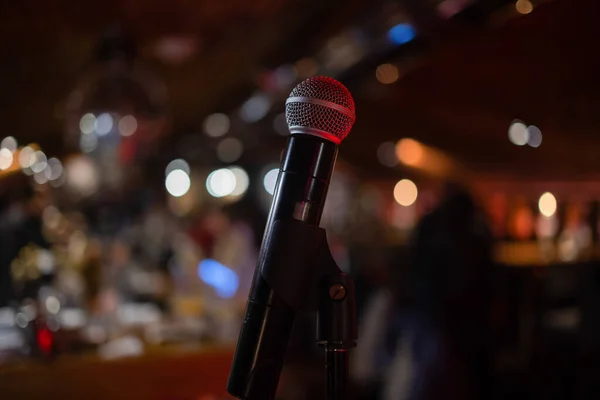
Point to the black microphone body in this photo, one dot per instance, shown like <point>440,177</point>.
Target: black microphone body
<point>300,194</point>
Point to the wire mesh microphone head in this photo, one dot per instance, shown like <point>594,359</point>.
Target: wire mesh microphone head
<point>320,106</point>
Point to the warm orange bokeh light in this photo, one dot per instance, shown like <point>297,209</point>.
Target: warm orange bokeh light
<point>524,6</point>
<point>409,151</point>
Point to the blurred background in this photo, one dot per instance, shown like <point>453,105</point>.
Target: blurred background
<point>140,144</point>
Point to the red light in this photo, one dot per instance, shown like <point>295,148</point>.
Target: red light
<point>44,339</point>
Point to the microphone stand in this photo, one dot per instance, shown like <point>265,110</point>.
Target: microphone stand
<point>336,331</point>
<point>312,281</point>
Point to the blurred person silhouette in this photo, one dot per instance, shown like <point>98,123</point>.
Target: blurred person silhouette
<point>20,226</point>
<point>426,334</point>
<point>450,257</point>
<point>371,272</point>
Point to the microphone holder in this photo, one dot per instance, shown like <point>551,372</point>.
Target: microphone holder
<point>312,281</point>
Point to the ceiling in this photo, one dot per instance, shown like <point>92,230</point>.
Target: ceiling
<point>468,82</point>
<point>540,68</point>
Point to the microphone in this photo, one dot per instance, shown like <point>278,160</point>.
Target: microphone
<point>320,113</point>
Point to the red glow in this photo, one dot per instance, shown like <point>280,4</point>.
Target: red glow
<point>44,338</point>
<point>127,150</point>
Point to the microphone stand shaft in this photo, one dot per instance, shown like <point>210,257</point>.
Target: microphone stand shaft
<point>337,374</point>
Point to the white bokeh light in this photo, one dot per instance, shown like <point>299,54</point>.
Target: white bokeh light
<point>517,133</point>
<point>87,123</point>
<point>88,143</point>
<point>6,158</point>
<point>54,169</point>
<point>27,159</point>
<point>221,183</point>
<point>104,124</point>
<point>534,136</point>
<point>177,183</point>
<point>242,181</point>
<point>40,178</point>
<point>270,180</point>
<point>82,175</point>
<point>178,163</point>
<point>216,125</point>
<point>9,143</point>
<point>230,149</point>
<point>52,305</point>
<point>41,161</point>
<point>255,108</point>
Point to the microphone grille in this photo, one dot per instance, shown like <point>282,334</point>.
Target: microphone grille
<point>321,106</point>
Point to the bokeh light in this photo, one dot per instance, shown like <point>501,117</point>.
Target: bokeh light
<point>216,125</point>
<point>449,8</point>
<point>280,125</point>
<point>82,176</point>
<point>9,143</point>
<point>401,33</point>
<point>255,108</point>
<point>405,192</point>
<point>88,143</point>
<point>179,163</point>
<point>386,153</point>
<point>409,151</point>
<point>127,125</point>
<point>176,49</point>
<point>285,76</point>
<point>40,178</point>
<point>546,227</point>
<point>27,157</point>
<point>524,6</point>
<point>223,279</point>
<point>534,136</point>
<point>517,133</point>
<point>61,180</point>
<point>177,183</point>
<point>54,169</point>
<point>52,304</point>
<point>221,183</point>
<point>87,123</point>
<point>21,320</point>
<point>41,161</point>
<point>230,149</point>
<point>270,180</point>
<point>521,224</point>
<point>104,124</point>
<point>387,73</point>
<point>242,181</point>
<point>547,204</point>
<point>6,158</point>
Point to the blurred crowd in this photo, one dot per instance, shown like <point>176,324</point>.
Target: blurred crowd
<point>88,277</point>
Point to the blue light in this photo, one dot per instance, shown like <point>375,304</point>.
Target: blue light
<point>401,34</point>
<point>221,278</point>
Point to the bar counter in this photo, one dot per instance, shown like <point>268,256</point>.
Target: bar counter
<point>172,374</point>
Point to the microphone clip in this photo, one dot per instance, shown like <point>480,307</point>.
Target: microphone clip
<point>312,281</point>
